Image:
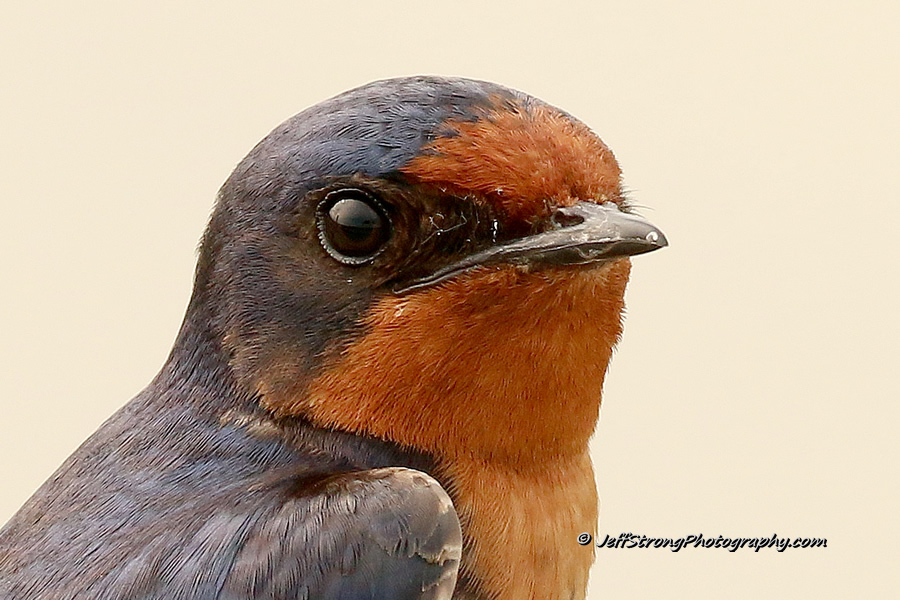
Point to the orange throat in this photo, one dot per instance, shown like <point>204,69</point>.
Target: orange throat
<point>496,364</point>
<point>498,375</point>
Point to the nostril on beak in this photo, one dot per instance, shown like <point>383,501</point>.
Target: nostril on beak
<point>562,217</point>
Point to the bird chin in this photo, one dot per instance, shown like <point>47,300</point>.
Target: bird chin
<point>588,266</point>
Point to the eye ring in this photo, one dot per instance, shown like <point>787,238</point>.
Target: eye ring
<point>353,226</point>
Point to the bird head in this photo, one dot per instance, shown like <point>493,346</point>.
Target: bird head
<point>438,262</point>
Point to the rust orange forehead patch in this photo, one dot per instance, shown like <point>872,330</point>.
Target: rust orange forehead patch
<point>523,158</point>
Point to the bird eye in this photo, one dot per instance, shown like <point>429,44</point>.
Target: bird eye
<point>352,226</point>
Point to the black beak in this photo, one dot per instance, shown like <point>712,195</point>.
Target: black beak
<point>582,234</point>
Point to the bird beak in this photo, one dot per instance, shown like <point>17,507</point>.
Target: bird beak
<point>582,234</point>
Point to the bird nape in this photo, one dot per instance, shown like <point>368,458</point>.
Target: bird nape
<point>403,310</point>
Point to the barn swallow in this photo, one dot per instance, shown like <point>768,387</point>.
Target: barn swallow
<point>403,310</point>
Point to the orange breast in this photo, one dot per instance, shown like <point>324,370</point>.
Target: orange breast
<point>521,527</point>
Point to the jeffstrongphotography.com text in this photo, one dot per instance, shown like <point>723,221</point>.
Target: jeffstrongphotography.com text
<point>732,544</point>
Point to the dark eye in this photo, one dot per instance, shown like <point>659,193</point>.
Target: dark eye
<point>352,226</point>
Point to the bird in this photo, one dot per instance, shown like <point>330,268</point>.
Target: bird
<point>405,302</point>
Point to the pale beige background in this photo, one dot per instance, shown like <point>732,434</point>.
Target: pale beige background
<point>756,388</point>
